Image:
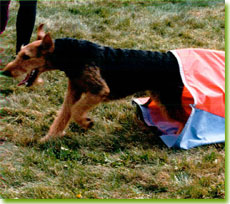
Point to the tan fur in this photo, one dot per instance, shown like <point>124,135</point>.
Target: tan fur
<point>64,115</point>
<point>40,32</point>
<point>76,106</point>
<point>82,95</point>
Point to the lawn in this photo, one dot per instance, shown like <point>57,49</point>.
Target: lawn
<point>119,158</point>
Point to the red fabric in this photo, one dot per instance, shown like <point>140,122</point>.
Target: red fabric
<point>187,100</point>
<point>153,116</point>
<point>203,73</point>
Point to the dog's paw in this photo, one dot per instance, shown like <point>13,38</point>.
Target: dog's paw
<point>89,123</point>
<point>86,123</point>
<point>49,137</point>
<point>44,139</point>
<point>39,81</point>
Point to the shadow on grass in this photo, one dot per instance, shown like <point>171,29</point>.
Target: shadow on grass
<point>72,147</point>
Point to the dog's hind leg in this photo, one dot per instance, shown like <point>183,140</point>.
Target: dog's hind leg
<point>64,115</point>
<point>173,110</point>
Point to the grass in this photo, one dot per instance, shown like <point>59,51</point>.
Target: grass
<point>119,157</point>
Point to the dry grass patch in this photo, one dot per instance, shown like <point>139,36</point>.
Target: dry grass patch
<point>119,157</point>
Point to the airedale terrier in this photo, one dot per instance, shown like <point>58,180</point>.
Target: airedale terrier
<point>97,73</point>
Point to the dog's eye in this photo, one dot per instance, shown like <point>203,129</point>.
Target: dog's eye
<point>25,57</point>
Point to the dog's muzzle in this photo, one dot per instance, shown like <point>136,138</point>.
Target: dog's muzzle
<point>6,73</point>
<point>30,78</point>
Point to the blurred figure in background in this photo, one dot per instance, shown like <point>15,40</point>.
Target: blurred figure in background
<point>25,20</point>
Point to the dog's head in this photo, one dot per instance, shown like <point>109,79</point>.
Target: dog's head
<point>31,59</point>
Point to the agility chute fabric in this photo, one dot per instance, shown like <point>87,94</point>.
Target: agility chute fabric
<point>203,74</point>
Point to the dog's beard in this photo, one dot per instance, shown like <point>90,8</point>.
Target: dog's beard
<point>30,78</point>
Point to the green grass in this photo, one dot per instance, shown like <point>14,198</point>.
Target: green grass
<point>119,157</point>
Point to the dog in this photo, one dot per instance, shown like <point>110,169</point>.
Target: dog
<point>98,73</point>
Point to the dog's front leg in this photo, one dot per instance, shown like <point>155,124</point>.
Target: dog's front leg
<point>64,115</point>
<point>96,90</point>
<point>87,101</point>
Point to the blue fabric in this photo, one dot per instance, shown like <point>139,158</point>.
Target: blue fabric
<point>146,114</point>
<point>202,128</point>
<point>164,126</point>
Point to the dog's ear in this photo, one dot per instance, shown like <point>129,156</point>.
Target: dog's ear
<point>22,46</point>
<point>47,43</point>
<point>40,33</point>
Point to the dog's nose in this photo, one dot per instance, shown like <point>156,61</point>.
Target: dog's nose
<point>6,73</point>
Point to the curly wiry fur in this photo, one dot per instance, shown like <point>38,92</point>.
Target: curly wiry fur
<point>99,73</point>
<point>125,71</point>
